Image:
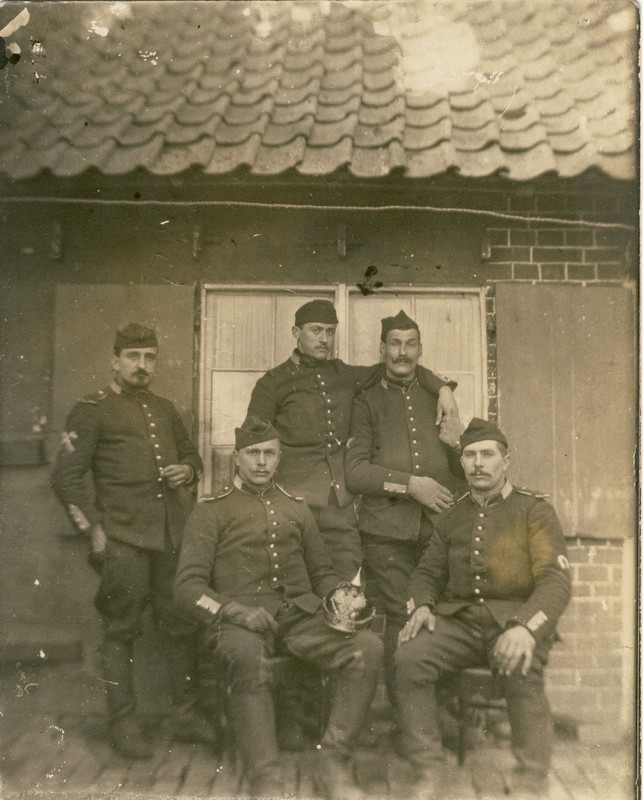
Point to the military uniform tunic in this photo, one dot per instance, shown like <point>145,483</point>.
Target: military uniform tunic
<point>125,438</point>
<point>509,555</point>
<point>260,547</point>
<point>393,436</point>
<point>309,402</point>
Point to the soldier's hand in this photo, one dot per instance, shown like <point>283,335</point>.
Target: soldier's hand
<point>176,474</point>
<point>512,646</point>
<point>447,406</point>
<point>422,617</point>
<point>97,547</point>
<point>257,620</point>
<point>430,493</point>
<point>98,539</point>
<point>451,429</point>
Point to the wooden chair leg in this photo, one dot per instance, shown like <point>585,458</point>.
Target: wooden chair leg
<point>462,730</point>
<point>325,704</point>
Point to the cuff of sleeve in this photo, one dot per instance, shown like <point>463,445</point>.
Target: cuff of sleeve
<point>194,476</point>
<point>397,483</point>
<point>84,522</point>
<point>209,604</point>
<point>423,600</point>
<point>534,624</point>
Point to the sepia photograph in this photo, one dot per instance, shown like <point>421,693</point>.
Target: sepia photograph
<point>319,400</point>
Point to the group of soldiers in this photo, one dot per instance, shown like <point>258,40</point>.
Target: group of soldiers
<point>466,568</point>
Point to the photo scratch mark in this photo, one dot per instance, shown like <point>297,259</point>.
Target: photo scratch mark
<point>99,30</point>
<point>10,53</point>
<point>60,731</point>
<point>149,55</point>
<point>511,99</point>
<point>19,21</point>
<point>369,286</point>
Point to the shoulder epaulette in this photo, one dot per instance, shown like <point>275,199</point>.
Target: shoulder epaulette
<point>223,493</point>
<point>292,496</point>
<point>531,493</point>
<point>94,398</point>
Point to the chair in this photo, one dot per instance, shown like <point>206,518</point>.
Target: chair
<point>475,687</point>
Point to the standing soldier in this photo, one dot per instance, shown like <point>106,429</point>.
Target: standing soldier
<point>308,399</point>
<point>398,461</point>
<point>142,462</point>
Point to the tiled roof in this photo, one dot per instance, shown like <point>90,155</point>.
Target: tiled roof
<point>480,87</point>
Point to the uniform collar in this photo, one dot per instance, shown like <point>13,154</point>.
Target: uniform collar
<point>302,360</point>
<point>503,494</point>
<point>250,489</point>
<point>391,383</point>
<point>126,391</point>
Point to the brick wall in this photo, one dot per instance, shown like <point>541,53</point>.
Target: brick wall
<point>535,250</point>
<point>588,671</point>
<point>557,254</point>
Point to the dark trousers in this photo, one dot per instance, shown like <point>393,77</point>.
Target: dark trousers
<point>244,659</point>
<point>389,565</point>
<point>131,579</point>
<point>467,640</point>
<point>338,527</point>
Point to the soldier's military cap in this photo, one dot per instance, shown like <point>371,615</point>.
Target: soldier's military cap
<point>253,431</point>
<point>135,335</point>
<point>316,311</point>
<point>400,322</point>
<point>481,430</point>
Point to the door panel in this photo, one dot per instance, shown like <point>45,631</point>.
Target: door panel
<point>239,325</point>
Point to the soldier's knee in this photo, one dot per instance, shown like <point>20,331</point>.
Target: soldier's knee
<point>409,667</point>
<point>371,647</point>
<point>529,685</point>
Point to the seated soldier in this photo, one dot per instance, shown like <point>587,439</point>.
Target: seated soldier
<point>488,592</point>
<point>255,569</point>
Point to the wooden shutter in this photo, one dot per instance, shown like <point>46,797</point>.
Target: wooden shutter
<point>87,317</point>
<point>567,382</point>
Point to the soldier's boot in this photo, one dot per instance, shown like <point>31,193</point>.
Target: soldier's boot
<point>295,696</point>
<point>125,734</point>
<point>267,782</point>
<point>355,687</point>
<point>252,717</point>
<point>333,777</point>
<point>190,724</point>
<point>532,732</point>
